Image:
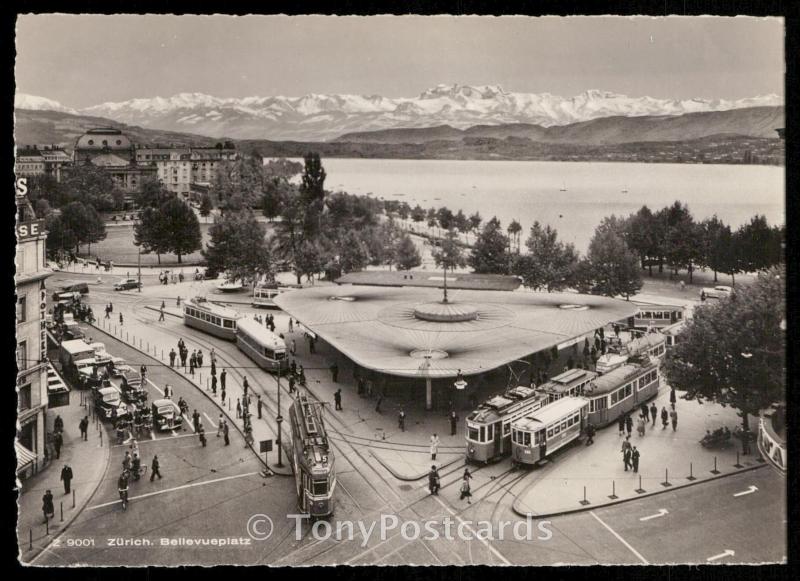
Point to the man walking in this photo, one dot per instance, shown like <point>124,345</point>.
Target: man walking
<point>337,399</point>
<point>291,325</point>
<point>674,417</point>
<point>121,321</point>
<point>183,358</point>
<point>672,397</point>
<point>626,453</point>
<point>453,423</point>
<point>629,424</point>
<point>225,433</point>
<point>161,315</point>
<point>172,357</point>
<point>590,434</point>
<point>199,357</point>
<point>401,420</point>
<point>220,425</point>
<point>434,446</point>
<point>621,424</point>
<point>433,480</point>
<point>222,377</point>
<point>654,412</point>
<point>66,476</point>
<point>238,408</point>
<point>214,384</point>
<point>291,384</point>
<point>196,421</point>
<point>154,468</point>
<point>58,441</point>
<point>84,427</point>
<point>258,405</point>
<point>635,459</point>
<point>222,394</point>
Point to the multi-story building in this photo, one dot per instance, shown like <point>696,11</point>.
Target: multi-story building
<point>29,162</point>
<point>31,339</point>
<point>179,168</point>
<point>115,153</point>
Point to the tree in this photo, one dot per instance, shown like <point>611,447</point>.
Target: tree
<point>60,236</point>
<point>406,253</point>
<point>610,268</point>
<point>642,237</point>
<point>85,223</point>
<point>733,352</point>
<point>475,222</point>
<point>449,254</point>
<point>152,193</point>
<point>149,233</point>
<point>683,239</point>
<point>239,247</point>
<point>205,205</point>
<point>549,263</point>
<point>418,213</point>
<point>514,230</point>
<point>490,251</point>
<point>445,218</point>
<point>755,244</point>
<point>307,260</point>
<point>716,244</point>
<point>92,185</point>
<point>353,253</point>
<point>312,192</point>
<point>181,228</point>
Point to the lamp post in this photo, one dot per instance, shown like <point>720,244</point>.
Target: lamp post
<point>139,268</point>
<point>279,419</point>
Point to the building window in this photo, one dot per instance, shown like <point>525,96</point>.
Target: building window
<point>91,142</point>
<point>21,310</point>
<point>22,355</point>
<point>25,397</point>
<point>105,142</point>
<point>119,142</point>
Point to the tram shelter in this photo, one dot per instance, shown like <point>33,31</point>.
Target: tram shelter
<point>411,332</point>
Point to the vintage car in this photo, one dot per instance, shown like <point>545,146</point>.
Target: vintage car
<point>716,292</point>
<point>132,389</point>
<point>73,331</point>
<point>126,284</point>
<point>166,415</point>
<point>107,400</point>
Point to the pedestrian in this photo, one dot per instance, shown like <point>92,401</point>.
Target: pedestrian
<point>635,459</point>
<point>161,315</point>
<point>155,468</point>
<point>58,441</point>
<point>433,480</point>
<point>654,412</point>
<point>202,435</point>
<point>640,424</point>
<point>434,446</point>
<point>401,420</point>
<point>293,367</point>
<point>143,371</point>
<point>222,394</point>
<point>110,307</point>
<point>337,399</point>
<point>245,386</point>
<point>590,434</point>
<point>225,433</point>
<point>196,420</point>
<point>192,362</point>
<point>214,384</point>
<point>378,404</point>
<point>291,384</point>
<point>674,417</point>
<point>291,325</point>
<point>183,359</point>
<point>168,391</point>
<point>628,424</point>
<point>258,405</point>
<point>293,347</point>
<point>334,372</point>
<point>66,476</point>
<point>47,506</point>
<point>219,425</point>
<point>222,377</point>
<point>465,490</point>
<point>238,408</point>
<point>672,397</point>
<point>621,423</point>
<point>84,427</point>
<point>301,375</point>
<point>311,345</point>
<point>664,418</point>
<point>108,313</point>
<point>213,357</point>
<point>626,458</point>
<point>199,357</point>
<point>643,411</point>
<point>453,422</point>
<point>172,357</point>
<point>213,366</point>
<point>121,321</point>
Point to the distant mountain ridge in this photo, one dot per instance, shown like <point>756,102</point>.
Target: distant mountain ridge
<point>317,117</point>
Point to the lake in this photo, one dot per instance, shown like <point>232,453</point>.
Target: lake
<point>530,190</point>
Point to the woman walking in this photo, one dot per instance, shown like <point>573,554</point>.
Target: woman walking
<point>465,489</point>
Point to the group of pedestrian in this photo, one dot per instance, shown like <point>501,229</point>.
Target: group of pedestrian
<point>630,455</point>
<point>268,321</point>
<point>109,309</point>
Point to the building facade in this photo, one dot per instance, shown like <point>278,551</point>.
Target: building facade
<point>31,340</point>
<point>115,153</point>
<point>181,168</point>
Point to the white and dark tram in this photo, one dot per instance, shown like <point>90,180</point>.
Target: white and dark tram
<point>312,458</point>
<point>261,345</point>
<point>622,389</point>
<point>539,434</point>
<point>210,318</point>
<point>488,433</point>
<point>264,294</point>
<point>570,383</point>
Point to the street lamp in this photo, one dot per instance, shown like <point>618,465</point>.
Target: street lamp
<point>279,419</point>
<point>139,268</point>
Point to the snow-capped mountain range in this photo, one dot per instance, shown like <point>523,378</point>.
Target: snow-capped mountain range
<point>323,117</point>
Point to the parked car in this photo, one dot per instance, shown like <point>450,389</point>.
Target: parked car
<point>106,400</point>
<point>716,292</point>
<point>126,284</point>
<point>166,415</point>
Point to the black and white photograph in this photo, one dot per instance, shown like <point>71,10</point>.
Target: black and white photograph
<point>429,290</point>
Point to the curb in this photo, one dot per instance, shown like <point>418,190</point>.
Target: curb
<point>211,399</point>
<point>526,514</point>
<point>166,312</point>
<point>35,554</point>
<point>406,478</point>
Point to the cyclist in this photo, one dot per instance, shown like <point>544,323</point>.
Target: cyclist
<point>122,487</point>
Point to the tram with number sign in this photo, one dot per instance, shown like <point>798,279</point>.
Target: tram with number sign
<point>570,383</point>
<point>312,458</point>
<point>210,318</point>
<point>261,345</point>
<point>264,294</point>
<point>541,433</point>
<point>488,433</point>
<point>621,390</point>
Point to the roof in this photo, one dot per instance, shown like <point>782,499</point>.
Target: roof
<point>76,346</point>
<point>435,279</point>
<point>202,304</point>
<point>164,402</point>
<point>260,333</point>
<point>616,377</point>
<point>645,342</point>
<point>109,160</point>
<point>505,404</point>
<point>380,328</point>
<point>551,412</point>
<point>104,131</point>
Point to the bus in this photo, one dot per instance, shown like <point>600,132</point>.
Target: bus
<point>569,383</point>
<point>656,316</point>
<point>488,433</point>
<point>264,294</point>
<point>621,390</point>
<point>211,318</point>
<point>261,345</point>
<point>537,435</point>
<point>312,458</point>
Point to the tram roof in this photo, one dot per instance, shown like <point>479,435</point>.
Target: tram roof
<point>551,412</point>
<point>647,341</point>
<point>377,328</point>
<point>260,333</point>
<point>204,304</point>
<point>616,377</point>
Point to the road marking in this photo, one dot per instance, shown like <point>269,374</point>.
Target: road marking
<point>494,551</point>
<point>620,539</point>
<point>188,422</point>
<point>210,421</point>
<point>727,553</point>
<point>661,512</point>
<point>154,439</point>
<point>149,494</point>
<point>750,490</point>
<point>158,389</point>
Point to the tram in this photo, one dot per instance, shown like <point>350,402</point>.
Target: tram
<point>312,458</point>
<point>672,332</point>
<point>261,345</point>
<point>488,434</point>
<point>537,435</point>
<point>656,317</point>
<point>621,390</point>
<point>264,294</point>
<point>651,344</point>
<point>211,318</point>
<point>569,383</point>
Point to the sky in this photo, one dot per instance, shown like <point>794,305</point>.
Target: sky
<point>83,60</point>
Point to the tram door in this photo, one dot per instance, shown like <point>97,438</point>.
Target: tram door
<point>541,438</point>
<point>494,433</point>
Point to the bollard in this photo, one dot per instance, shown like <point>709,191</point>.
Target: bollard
<point>162,354</point>
<point>640,490</point>
<point>47,525</point>
<point>715,471</point>
<point>148,345</point>
<point>101,438</point>
<point>691,474</point>
<point>613,495</point>
<point>584,502</point>
<point>30,539</point>
<point>738,464</point>
<point>62,511</point>
<point>73,498</point>
<point>229,405</point>
<point>666,482</point>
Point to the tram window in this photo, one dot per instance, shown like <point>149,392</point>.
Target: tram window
<point>506,428</point>
<point>599,403</point>
<point>320,487</point>
<point>550,433</point>
<point>483,434</point>
<point>227,324</point>
<point>557,429</point>
<point>527,439</point>
<point>628,390</point>
<point>472,433</point>
<point>564,425</point>
<point>490,432</point>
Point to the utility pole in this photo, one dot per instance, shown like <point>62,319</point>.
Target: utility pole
<point>139,268</point>
<point>279,419</point>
